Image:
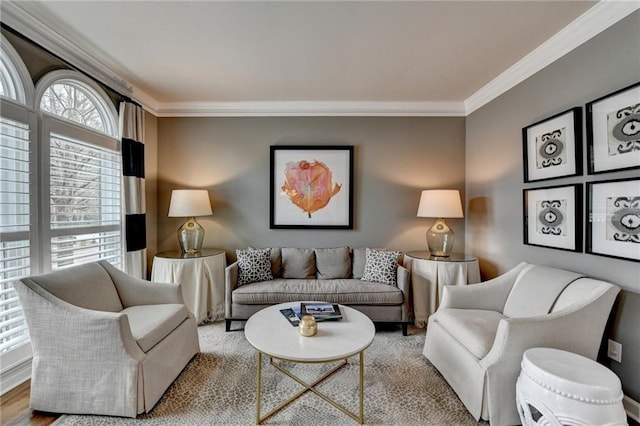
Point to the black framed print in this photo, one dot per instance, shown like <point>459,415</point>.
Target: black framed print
<point>552,148</point>
<point>613,218</point>
<point>311,187</point>
<point>613,131</point>
<point>553,218</point>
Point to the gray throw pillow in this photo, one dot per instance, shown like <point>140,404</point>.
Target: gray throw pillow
<point>254,265</point>
<point>381,266</point>
<point>332,263</point>
<point>298,263</point>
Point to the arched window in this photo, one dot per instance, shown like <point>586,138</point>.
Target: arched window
<point>15,82</point>
<point>82,171</point>
<point>70,95</point>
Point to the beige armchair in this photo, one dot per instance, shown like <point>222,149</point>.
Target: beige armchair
<point>479,333</point>
<point>104,342</point>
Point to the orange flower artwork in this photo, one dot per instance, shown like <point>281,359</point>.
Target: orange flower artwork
<point>309,185</point>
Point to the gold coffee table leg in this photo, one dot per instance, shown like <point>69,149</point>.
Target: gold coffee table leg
<point>310,388</point>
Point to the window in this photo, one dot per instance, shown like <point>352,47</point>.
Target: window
<point>17,183</point>
<point>83,171</point>
<point>60,185</point>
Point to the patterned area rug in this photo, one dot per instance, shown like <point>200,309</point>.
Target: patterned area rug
<point>218,387</point>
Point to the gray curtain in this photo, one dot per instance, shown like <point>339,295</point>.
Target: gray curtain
<point>132,131</point>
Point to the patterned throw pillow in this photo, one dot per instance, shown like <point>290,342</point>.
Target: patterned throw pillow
<point>381,266</point>
<point>254,265</point>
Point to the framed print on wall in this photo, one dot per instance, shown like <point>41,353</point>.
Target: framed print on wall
<point>311,187</point>
<point>552,148</point>
<point>553,218</point>
<point>613,131</point>
<point>613,218</point>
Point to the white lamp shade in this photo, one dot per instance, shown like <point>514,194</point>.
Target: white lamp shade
<point>440,203</point>
<point>189,202</point>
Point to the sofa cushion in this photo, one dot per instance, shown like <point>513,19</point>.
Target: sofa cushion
<point>333,263</point>
<point>345,291</point>
<point>358,259</point>
<point>298,263</point>
<point>380,266</point>
<point>152,323</point>
<point>475,329</point>
<point>254,265</point>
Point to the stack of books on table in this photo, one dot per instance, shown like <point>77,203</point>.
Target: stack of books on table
<point>320,311</point>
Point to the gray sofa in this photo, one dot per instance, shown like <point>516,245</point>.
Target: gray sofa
<point>479,333</point>
<point>104,342</point>
<point>331,274</point>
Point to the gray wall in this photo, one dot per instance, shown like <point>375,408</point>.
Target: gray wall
<point>494,174</point>
<point>395,158</point>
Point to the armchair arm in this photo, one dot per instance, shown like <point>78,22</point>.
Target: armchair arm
<point>564,329</point>
<point>230,283</point>
<point>79,352</point>
<point>135,291</point>
<point>489,295</point>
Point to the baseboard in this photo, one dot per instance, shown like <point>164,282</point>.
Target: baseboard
<point>632,408</point>
<point>15,375</point>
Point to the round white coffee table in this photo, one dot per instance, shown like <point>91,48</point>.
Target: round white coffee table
<point>269,332</point>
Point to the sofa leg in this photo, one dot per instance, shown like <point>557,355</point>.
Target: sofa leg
<point>404,328</point>
<point>227,325</point>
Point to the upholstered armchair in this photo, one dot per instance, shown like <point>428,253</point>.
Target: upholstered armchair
<point>104,342</point>
<point>479,333</point>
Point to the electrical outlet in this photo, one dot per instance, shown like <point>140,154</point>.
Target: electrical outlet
<point>614,350</point>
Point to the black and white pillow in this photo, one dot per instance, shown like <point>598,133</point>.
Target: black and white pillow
<point>254,265</point>
<point>381,266</point>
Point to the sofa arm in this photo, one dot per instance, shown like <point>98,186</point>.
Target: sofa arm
<point>403,279</point>
<point>490,295</point>
<point>135,291</point>
<point>230,284</point>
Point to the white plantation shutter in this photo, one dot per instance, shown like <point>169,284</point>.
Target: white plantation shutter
<point>85,216</point>
<point>16,256</point>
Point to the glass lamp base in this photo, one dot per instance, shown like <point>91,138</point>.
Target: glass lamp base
<point>440,239</point>
<point>191,236</point>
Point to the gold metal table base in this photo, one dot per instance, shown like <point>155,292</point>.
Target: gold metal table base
<point>310,387</point>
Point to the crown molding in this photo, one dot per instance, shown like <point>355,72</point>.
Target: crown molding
<point>605,13</point>
<point>595,20</point>
<point>18,16</point>
<point>311,108</point>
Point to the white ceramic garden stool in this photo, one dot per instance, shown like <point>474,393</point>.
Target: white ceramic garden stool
<point>558,388</point>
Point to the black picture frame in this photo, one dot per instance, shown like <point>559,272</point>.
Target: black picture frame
<point>552,148</point>
<point>552,217</point>
<point>329,203</point>
<point>612,146</point>
<point>611,219</point>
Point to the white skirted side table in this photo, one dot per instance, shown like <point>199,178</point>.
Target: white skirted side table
<point>201,277</point>
<point>429,274</point>
<point>562,388</point>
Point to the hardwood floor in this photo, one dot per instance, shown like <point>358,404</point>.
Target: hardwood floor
<point>14,409</point>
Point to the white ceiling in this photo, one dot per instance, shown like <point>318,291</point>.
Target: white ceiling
<point>190,54</point>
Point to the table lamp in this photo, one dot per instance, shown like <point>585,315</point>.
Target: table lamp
<point>440,203</point>
<point>190,203</point>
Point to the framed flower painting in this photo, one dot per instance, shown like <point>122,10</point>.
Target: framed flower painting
<point>311,187</point>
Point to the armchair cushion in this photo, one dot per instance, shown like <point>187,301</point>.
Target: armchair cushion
<point>475,329</point>
<point>152,323</point>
